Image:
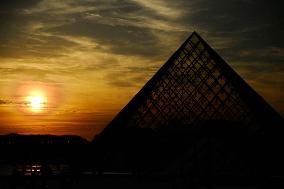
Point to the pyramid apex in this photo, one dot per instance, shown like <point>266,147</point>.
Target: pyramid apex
<point>194,33</point>
<point>194,37</point>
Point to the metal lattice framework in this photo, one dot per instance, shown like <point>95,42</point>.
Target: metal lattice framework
<point>193,86</point>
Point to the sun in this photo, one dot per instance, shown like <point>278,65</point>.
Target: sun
<point>36,101</point>
<point>37,98</point>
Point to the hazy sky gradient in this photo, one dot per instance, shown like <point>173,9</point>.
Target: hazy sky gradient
<point>92,56</point>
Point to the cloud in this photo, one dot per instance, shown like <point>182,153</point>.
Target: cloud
<point>53,7</point>
<point>11,102</point>
<point>16,5</point>
<point>4,102</point>
<point>118,38</point>
<point>162,8</point>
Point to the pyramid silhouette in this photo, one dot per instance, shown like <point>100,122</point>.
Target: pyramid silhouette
<point>195,86</point>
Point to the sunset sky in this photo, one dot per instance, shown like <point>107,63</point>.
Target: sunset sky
<point>68,67</point>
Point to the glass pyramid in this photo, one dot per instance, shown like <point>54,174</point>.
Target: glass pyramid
<point>194,86</point>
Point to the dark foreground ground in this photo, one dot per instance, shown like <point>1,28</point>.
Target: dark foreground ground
<point>139,182</point>
<point>141,158</point>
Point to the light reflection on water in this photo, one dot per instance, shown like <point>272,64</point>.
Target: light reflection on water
<point>49,170</point>
<point>30,170</point>
<point>38,169</point>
